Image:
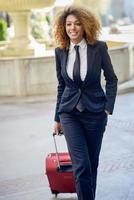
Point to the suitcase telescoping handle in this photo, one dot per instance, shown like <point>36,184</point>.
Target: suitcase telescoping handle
<point>57,155</point>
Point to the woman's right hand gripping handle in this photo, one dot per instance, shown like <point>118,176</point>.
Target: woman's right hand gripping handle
<point>57,128</point>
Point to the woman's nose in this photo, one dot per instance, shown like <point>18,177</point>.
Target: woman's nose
<point>72,26</point>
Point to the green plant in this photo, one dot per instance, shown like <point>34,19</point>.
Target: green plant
<point>3,30</point>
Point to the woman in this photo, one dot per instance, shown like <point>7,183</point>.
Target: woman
<point>82,105</point>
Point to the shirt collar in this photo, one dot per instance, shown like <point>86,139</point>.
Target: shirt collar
<point>82,45</point>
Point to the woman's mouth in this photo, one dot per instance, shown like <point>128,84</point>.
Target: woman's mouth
<point>73,33</point>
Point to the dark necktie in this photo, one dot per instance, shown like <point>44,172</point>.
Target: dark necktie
<point>76,68</point>
<point>77,77</point>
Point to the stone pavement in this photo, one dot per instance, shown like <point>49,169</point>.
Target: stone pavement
<point>26,138</point>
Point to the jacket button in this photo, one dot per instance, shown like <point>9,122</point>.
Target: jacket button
<point>79,90</point>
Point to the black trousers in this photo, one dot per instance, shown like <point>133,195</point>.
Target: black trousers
<point>84,132</point>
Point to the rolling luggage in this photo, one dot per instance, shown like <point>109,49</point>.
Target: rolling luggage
<point>59,172</point>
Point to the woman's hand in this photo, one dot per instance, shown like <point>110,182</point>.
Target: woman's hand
<point>57,128</point>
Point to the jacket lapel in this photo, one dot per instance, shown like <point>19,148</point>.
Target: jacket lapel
<point>64,60</point>
<point>64,63</point>
<point>90,61</point>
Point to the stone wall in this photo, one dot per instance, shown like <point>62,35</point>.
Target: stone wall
<point>27,76</point>
<point>121,60</point>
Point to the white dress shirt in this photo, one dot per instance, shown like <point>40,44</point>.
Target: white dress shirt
<point>83,59</point>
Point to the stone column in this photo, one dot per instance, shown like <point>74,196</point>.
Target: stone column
<point>21,44</point>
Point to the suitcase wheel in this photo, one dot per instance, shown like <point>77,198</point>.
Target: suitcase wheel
<point>55,192</point>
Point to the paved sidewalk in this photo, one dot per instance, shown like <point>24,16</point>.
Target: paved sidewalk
<point>26,139</point>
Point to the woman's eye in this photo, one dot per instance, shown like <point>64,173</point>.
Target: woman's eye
<point>78,24</point>
<point>75,24</point>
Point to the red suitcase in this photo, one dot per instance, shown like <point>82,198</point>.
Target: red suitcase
<point>59,172</point>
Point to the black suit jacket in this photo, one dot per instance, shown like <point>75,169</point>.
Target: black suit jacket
<point>95,99</point>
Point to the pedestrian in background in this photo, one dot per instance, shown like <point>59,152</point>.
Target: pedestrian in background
<point>82,105</point>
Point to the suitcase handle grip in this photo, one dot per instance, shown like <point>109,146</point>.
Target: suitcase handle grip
<point>61,133</point>
<point>57,155</point>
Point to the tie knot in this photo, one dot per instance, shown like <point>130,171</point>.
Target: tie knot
<point>76,47</point>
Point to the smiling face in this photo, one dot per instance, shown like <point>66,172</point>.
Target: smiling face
<point>74,29</point>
